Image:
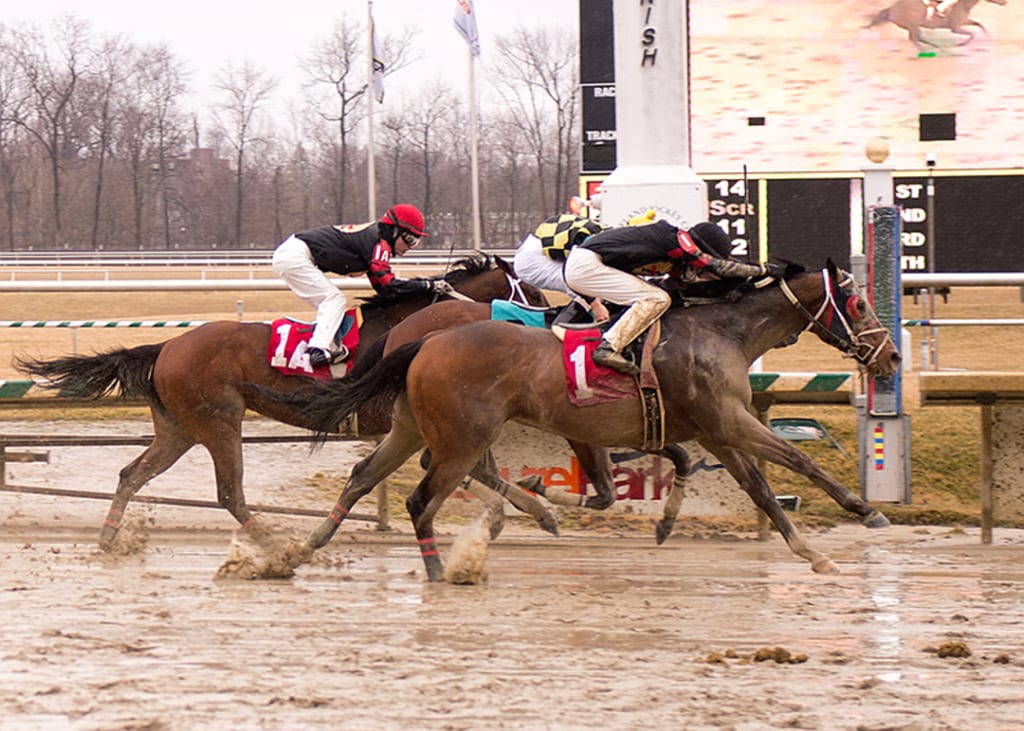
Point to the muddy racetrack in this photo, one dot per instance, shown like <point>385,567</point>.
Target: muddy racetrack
<point>590,630</point>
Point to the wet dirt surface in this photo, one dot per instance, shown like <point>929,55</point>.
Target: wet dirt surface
<point>568,633</point>
<point>584,631</point>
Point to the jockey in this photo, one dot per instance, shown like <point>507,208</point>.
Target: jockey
<point>303,259</point>
<point>609,264</point>
<point>540,255</point>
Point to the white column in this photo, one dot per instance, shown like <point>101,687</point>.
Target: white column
<point>652,116</point>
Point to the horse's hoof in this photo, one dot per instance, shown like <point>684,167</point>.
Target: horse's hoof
<point>876,520</point>
<point>533,483</point>
<point>597,502</point>
<point>497,527</point>
<point>549,525</point>
<point>662,530</point>
<point>824,566</point>
<point>106,541</point>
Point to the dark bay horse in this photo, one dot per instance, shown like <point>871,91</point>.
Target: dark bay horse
<point>453,391</point>
<point>912,16</point>
<point>193,384</point>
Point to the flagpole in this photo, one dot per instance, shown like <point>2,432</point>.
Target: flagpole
<point>473,141</point>
<point>371,161</point>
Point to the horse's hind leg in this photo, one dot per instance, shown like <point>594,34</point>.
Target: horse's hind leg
<point>441,479</point>
<point>169,443</point>
<point>743,468</point>
<point>680,459</point>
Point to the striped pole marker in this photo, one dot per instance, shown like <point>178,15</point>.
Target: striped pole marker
<point>101,323</point>
<point>809,382</point>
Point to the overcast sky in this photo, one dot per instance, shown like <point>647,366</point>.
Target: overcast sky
<point>208,33</point>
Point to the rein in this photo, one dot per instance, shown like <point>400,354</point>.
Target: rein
<point>852,345</point>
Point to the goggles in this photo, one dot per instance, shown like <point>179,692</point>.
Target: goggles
<point>411,240</point>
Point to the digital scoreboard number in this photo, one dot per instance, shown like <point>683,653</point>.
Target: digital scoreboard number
<point>732,207</point>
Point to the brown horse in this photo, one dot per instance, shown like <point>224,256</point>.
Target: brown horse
<point>912,16</point>
<point>193,385</point>
<point>494,372</point>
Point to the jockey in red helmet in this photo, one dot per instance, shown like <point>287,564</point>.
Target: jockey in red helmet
<point>303,260</point>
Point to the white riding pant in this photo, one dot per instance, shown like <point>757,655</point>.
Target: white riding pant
<point>535,267</point>
<point>587,274</point>
<point>293,262</point>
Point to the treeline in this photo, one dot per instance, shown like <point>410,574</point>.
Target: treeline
<point>100,148</point>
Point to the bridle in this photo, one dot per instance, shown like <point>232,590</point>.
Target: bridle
<point>516,292</point>
<point>848,339</point>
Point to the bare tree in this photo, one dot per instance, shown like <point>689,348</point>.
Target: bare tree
<point>339,63</point>
<point>425,115</point>
<point>537,73</point>
<point>103,91</point>
<point>51,86</point>
<point>246,90</point>
<point>152,130</point>
<point>12,108</point>
<point>395,133</point>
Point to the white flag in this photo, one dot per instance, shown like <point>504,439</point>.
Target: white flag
<point>378,66</point>
<point>465,24</point>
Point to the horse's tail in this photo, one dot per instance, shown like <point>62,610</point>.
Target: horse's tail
<point>324,405</point>
<point>125,373</point>
<point>882,16</point>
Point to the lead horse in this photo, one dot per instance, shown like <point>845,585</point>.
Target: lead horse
<point>495,372</point>
<point>193,384</point>
<point>912,16</point>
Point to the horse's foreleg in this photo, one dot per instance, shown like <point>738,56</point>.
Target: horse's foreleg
<point>760,441</point>
<point>493,514</point>
<point>743,468</point>
<point>486,472</point>
<point>400,444</point>
<point>597,466</point>
<point>670,511</point>
<point>165,449</point>
<point>965,34</point>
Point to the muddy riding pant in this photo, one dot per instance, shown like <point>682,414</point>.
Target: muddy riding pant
<point>587,274</point>
<point>294,264</point>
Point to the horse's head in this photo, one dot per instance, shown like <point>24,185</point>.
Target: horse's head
<point>846,320</point>
<point>484,278</point>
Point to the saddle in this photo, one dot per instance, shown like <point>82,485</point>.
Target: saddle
<point>288,353</point>
<point>587,382</point>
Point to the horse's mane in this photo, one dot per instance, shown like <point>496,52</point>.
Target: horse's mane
<point>461,269</point>
<point>725,290</point>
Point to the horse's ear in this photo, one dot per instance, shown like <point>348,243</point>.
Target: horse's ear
<point>833,270</point>
<point>504,266</point>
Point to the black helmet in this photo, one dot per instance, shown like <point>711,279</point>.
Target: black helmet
<point>711,239</point>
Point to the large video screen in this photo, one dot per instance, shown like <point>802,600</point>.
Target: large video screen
<point>802,85</point>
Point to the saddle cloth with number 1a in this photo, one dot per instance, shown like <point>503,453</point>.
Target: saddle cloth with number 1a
<point>289,340</point>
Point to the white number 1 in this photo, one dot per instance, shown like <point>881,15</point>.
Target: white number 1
<point>579,362</point>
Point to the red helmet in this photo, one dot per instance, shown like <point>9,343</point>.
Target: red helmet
<point>405,216</point>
